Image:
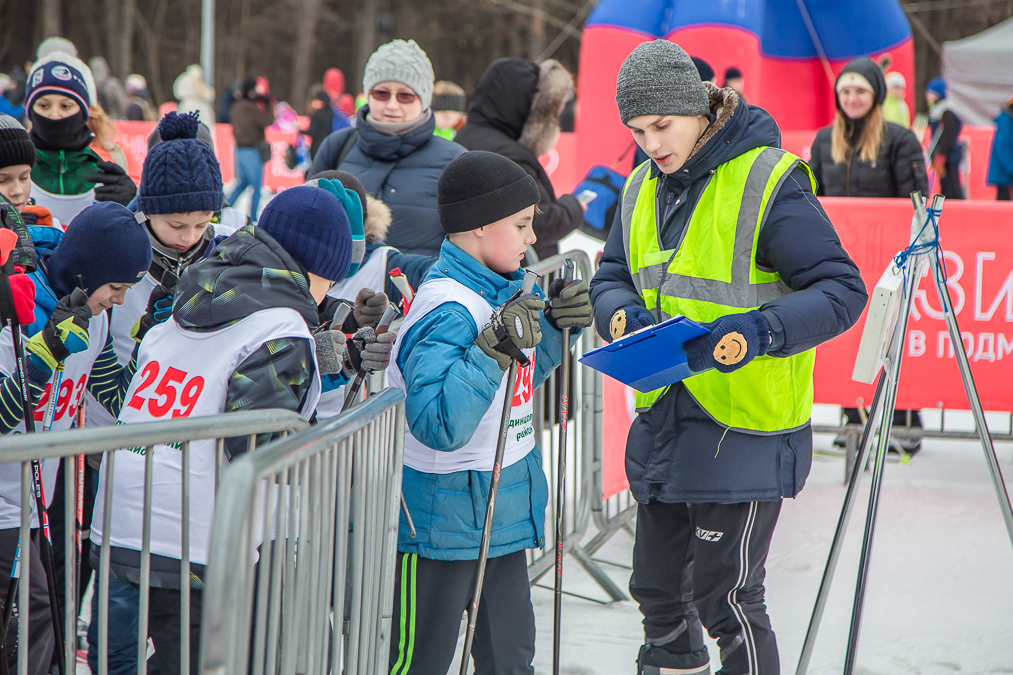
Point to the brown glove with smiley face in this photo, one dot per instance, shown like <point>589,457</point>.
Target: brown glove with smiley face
<point>734,340</point>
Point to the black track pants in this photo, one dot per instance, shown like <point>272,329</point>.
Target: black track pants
<point>430,596</point>
<point>703,563</point>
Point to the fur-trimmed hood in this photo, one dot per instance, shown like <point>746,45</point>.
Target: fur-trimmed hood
<point>378,219</point>
<point>523,100</point>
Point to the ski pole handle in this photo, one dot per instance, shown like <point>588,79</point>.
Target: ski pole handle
<point>388,317</point>
<point>340,314</point>
<point>528,285</point>
<point>569,271</point>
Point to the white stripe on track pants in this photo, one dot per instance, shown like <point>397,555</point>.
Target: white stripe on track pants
<point>703,563</point>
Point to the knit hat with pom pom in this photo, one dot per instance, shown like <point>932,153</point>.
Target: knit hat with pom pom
<point>181,174</point>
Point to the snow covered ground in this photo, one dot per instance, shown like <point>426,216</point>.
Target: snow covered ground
<point>940,596</point>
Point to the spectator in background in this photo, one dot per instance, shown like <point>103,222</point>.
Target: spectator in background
<point>894,107</point>
<point>945,151</point>
<point>704,68</point>
<point>449,106</point>
<point>321,120</point>
<point>251,114</point>
<point>194,93</point>
<point>229,96</point>
<point>140,107</point>
<point>734,81</point>
<point>862,155</point>
<point>568,118</point>
<point>7,85</point>
<point>392,149</point>
<point>341,101</point>
<point>15,95</point>
<point>514,112</point>
<point>1000,162</point>
<point>78,160</point>
<point>111,95</point>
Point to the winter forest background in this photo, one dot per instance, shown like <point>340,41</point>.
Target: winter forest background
<point>292,42</point>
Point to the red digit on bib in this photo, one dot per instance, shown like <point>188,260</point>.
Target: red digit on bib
<point>166,391</point>
<point>148,378</point>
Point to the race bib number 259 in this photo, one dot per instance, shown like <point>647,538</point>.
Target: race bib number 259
<point>176,391</point>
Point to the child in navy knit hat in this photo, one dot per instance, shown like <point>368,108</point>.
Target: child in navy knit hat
<point>239,334</point>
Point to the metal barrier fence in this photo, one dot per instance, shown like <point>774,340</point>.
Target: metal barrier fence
<point>583,454</point>
<point>78,443</point>
<point>852,433</point>
<point>317,595</point>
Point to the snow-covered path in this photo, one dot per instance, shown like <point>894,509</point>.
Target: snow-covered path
<point>940,598</point>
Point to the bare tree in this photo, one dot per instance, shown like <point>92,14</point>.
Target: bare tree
<point>305,45</point>
<point>367,37</point>
<point>52,18</point>
<point>126,46</point>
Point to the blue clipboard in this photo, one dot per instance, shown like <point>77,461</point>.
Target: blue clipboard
<point>649,359</point>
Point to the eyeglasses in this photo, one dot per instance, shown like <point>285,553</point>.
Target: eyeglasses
<point>403,97</point>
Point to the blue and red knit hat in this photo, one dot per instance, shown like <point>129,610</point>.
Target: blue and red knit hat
<point>64,74</point>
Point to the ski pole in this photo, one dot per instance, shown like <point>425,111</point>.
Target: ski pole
<point>564,415</point>
<point>45,545</point>
<point>490,510</point>
<point>352,389</point>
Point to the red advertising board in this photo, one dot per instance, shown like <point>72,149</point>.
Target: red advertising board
<point>134,139</point>
<point>618,413</point>
<point>978,250</point>
<point>975,237</point>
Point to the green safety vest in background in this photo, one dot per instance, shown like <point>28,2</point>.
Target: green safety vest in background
<point>712,272</point>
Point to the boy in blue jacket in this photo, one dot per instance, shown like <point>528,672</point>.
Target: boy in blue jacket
<point>451,364</point>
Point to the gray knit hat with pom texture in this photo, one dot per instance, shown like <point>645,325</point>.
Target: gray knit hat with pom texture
<point>659,78</point>
<point>401,61</point>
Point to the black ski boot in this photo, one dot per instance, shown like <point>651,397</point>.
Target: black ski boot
<point>654,660</point>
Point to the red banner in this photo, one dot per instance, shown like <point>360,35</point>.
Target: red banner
<point>618,413</point>
<point>978,250</point>
<point>134,139</point>
<point>979,261</point>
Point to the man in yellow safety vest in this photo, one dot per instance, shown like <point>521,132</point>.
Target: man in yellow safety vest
<point>720,226</point>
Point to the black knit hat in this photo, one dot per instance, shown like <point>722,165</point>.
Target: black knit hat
<point>16,148</point>
<point>479,188</point>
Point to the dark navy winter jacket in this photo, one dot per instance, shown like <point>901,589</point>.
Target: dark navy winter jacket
<point>402,172</point>
<point>676,452</point>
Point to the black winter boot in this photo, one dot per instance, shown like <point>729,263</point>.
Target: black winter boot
<point>654,660</point>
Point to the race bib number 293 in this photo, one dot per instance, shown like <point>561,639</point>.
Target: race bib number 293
<point>176,391</point>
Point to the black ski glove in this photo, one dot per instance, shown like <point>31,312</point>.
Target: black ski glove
<point>113,184</point>
<point>159,310</point>
<point>734,340</point>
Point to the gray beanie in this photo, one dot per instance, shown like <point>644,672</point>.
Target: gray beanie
<point>659,78</point>
<point>404,62</point>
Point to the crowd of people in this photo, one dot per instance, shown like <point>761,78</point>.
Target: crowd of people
<point>122,270</point>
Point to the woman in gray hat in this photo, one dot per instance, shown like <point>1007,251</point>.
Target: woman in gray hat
<point>392,150</point>
<point>721,226</point>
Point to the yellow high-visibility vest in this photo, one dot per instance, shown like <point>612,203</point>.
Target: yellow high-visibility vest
<point>712,272</point>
